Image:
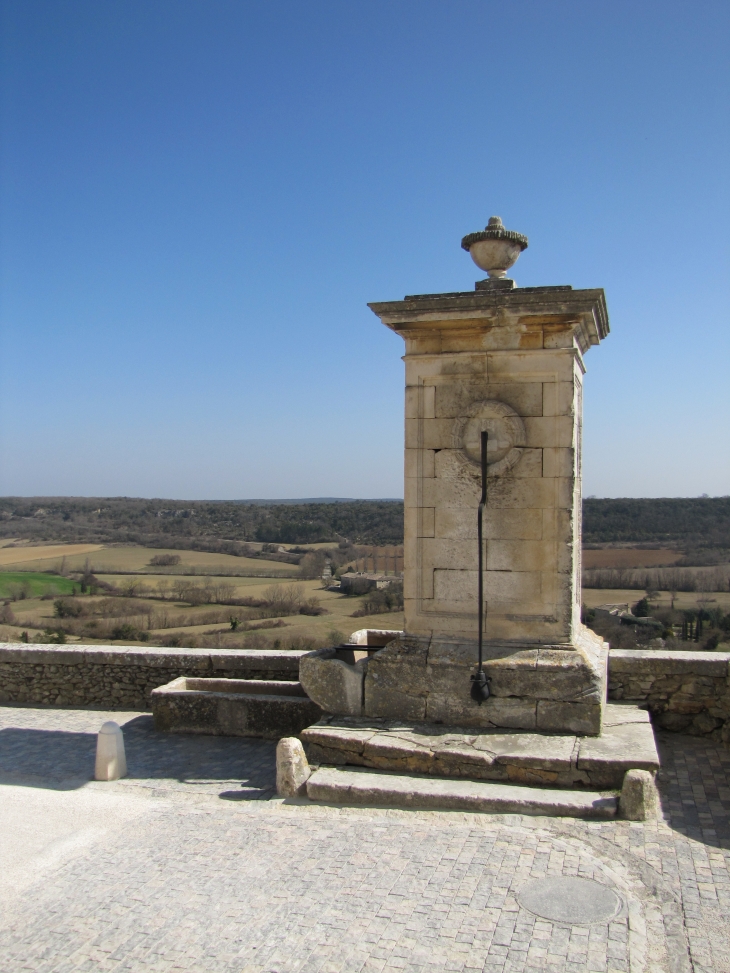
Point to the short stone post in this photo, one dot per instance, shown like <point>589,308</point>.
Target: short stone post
<point>292,768</point>
<point>111,761</point>
<point>639,800</point>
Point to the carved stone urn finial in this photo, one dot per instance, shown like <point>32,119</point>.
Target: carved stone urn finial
<point>494,248</point>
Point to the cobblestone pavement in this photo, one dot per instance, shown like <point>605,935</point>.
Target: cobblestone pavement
<point>172,878</point>
<point>56,747</point>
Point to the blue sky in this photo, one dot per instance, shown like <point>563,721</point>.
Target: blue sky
<point>199,198</point>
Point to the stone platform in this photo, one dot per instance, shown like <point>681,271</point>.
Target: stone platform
<point>511,757</point>
<point>550,688</point>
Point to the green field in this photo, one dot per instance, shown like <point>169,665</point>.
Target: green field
<point>29,584</point>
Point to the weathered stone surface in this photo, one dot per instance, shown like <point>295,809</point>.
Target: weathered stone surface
<point>686,692</point>
<point>639,800</point>
<point>663,663</point>
<point>392,703</point>
<point>292,769</point>
<point>124,676</point>
<point>562,675</point>
<point>617,714</point>
<point>623,746</point>
<point>392,753</point>
<point>387,674</point>
<point>497,711</point>
<point>350,736</point>
<point>453,751</point>
<point>533,750</point>
<point>334,684</point>
<point>465,762</point>
<point>431,679</point>
<point>352,786</point>
<point>559,717</point>
<point>232,707</point>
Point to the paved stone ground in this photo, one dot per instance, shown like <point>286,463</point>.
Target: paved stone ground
<point>191,864</point>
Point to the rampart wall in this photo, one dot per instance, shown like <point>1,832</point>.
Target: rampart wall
<point>124,676</point>
<point>688,692</point>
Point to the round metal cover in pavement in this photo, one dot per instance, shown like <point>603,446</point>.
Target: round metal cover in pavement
<point>573,900</point>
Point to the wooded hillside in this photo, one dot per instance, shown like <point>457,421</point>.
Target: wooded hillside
<point>698,522</point>
<point>169,523</point>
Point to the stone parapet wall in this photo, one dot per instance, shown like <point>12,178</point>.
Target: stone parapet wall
<point>124,676</point>
<point>688,692</point>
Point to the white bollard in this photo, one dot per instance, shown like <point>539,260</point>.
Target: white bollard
<point>111,762</point>
<point>292,768</point>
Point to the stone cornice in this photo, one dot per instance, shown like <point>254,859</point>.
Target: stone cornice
<point>583,311</point>
<point>125,655</point>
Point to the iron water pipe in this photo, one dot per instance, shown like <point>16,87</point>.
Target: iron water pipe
<point>480,680</point>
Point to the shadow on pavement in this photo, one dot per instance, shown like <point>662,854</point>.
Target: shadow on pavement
<point>64,760</point>
<point>694,786</point>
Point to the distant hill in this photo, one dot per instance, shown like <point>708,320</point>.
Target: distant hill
<point>273,503</point>
<point>696,523</point>
<point>175,523</point>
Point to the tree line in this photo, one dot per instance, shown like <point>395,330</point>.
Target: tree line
<point>219,527</point>
<point>225,527</point>
<point>690,522</point>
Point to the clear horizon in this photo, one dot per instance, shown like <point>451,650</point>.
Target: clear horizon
<point>199,200</point>
<point>302,500</point>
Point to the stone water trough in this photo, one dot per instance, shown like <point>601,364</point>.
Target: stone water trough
<point>233,707</point>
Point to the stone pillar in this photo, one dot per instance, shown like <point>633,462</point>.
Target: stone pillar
<point>508,360</point>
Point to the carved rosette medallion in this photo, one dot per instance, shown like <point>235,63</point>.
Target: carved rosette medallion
<point>506,436</point>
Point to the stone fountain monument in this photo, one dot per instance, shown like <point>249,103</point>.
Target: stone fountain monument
<point>507,361</point>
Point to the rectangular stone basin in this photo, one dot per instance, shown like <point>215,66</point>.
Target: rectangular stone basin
<point>269,709</point>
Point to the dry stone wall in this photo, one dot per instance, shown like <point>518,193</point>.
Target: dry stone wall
<point>688,692</point>
<point>100,675</point>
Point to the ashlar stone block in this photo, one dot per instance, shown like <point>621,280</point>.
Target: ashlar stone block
<point>459,523</point>
<point>558,461</point>
<point>523,555</point>
<point>558,399</point>
<point>550,431</point>
<point>455,397</point>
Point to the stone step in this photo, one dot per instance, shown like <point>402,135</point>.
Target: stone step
<point>505,756</point>
<point>358,785</point>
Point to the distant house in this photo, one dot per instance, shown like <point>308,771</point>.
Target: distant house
<point>612,611</point>
<point>622,614</point>
<point>359,582</point>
